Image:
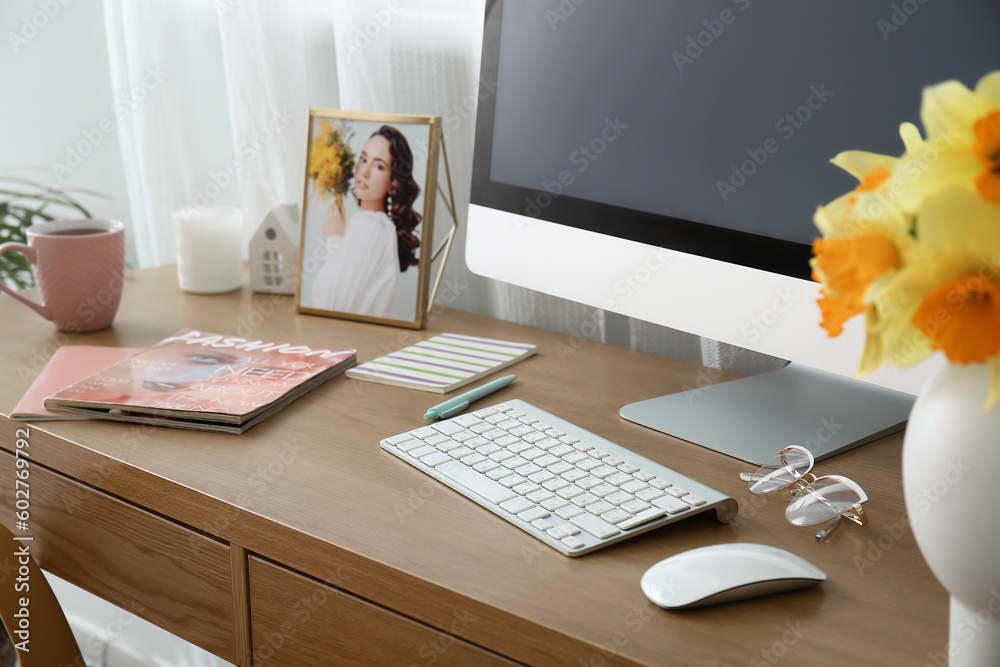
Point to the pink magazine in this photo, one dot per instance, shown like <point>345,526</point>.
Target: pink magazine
<point>202,380</point>
<point>67,365</point>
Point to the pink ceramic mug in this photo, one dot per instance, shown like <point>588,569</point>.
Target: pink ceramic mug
<point>79,266</point>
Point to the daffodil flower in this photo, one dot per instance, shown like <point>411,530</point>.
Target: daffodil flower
<point>962,148</point>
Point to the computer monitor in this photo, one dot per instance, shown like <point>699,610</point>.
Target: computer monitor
<point>664,160</point>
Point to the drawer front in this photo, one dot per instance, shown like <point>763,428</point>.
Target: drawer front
<point>147,565</point>
<point>298,621</point>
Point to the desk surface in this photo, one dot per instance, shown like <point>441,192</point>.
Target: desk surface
<point>309,488</point>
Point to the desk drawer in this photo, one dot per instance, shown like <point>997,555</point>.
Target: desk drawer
<point>299,621</point>
<point>147,565</point>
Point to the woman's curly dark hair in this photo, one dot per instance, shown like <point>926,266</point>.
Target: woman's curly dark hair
<point>403,191</point>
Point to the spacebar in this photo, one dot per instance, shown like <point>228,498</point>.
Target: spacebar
<point>476,482</point>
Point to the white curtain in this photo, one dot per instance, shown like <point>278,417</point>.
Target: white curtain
<point>224,121</point>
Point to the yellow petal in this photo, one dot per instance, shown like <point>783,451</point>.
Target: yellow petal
<point>988,88</point>
<point>950,108</point>
<point>958,226</point>
<point>860,163</point>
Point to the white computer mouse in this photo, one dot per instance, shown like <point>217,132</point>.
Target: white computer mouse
<point>724,573</point>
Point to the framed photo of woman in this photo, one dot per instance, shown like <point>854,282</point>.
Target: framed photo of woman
<point>367,216</point>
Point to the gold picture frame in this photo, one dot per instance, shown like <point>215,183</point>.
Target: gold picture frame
<point>368,202</point>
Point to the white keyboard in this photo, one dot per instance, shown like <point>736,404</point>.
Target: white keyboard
<point>571,489</point>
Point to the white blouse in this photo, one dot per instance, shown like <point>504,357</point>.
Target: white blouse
<point>360,273</point>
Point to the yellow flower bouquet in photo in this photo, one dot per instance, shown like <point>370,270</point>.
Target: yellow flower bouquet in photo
<point>915,248</point>
<point>331,162</point>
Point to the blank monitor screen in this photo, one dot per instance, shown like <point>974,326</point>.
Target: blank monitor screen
<point>708,127</point>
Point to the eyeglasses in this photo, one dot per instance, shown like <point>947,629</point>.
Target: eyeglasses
<point>814,499</point>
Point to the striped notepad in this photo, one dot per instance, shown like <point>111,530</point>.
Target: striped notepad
<point>442,363</point>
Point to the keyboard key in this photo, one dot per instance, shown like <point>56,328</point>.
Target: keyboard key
<point>555,484</point>
<point>641,518</point>
<point>671,505</point>
<point>572,542</point>
<point>517,505</point>
<point>594,525</point>
<point>533,514</point>
<point>541,524</point>
<point>546,443</point>
<point>616,516</point>
<point>585,500</point>
<point>473,481</point>
<point>600,507</point>
<point>570,492</point>
<point>552,504</point>
<point>634,486</point>
<point>568,512</point>
<point>424,432</point>
<point>541,477</point>
<point>633,506</point>
<point>619,478</point>
<point>486,466</point>
<point>421,452</point>
<point>533,436</point>
<point>435,458</point>
<point>559,468</point>
<point>466,420</point>
<point>539,496</point>
<point>561,450</point>
<point>510,481</point>
<point>694,500</point>
<point>676,491</point>
<point>619,498</point>
<point>648,494</point>
<point>603,490</point>
<point>449,428</point>
<point>557,533</point>
<point>574,475</point>
<point>527,470</point>
<point>569,529</point>
<point>410,445</point>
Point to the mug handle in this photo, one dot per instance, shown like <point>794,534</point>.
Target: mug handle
<point>29,254</point>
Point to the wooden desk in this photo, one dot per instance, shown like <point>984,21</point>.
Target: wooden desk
<point>303,543</point>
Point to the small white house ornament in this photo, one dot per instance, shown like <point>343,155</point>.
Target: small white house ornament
<point>274,249</point>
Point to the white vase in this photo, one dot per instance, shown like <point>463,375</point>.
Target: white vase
<point>951,481</point>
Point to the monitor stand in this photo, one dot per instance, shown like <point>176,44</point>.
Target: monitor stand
<point>753,417</point>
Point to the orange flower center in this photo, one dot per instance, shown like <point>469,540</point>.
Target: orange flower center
<point>986,146</point>
<point>962,318</point>
<point>875,177</point>
<point>847,267</point>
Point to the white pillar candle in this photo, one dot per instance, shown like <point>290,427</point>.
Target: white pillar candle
<point>209,249</point>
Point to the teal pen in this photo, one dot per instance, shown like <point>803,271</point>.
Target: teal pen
<point>454,406</point>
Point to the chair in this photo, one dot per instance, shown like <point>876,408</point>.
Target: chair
<point>49,637</point>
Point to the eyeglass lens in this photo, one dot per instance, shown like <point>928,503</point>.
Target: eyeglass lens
<point>827,498</point>
<point>789,466</point>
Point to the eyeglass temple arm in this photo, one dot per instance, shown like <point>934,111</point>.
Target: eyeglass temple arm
<point>855,514</point>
